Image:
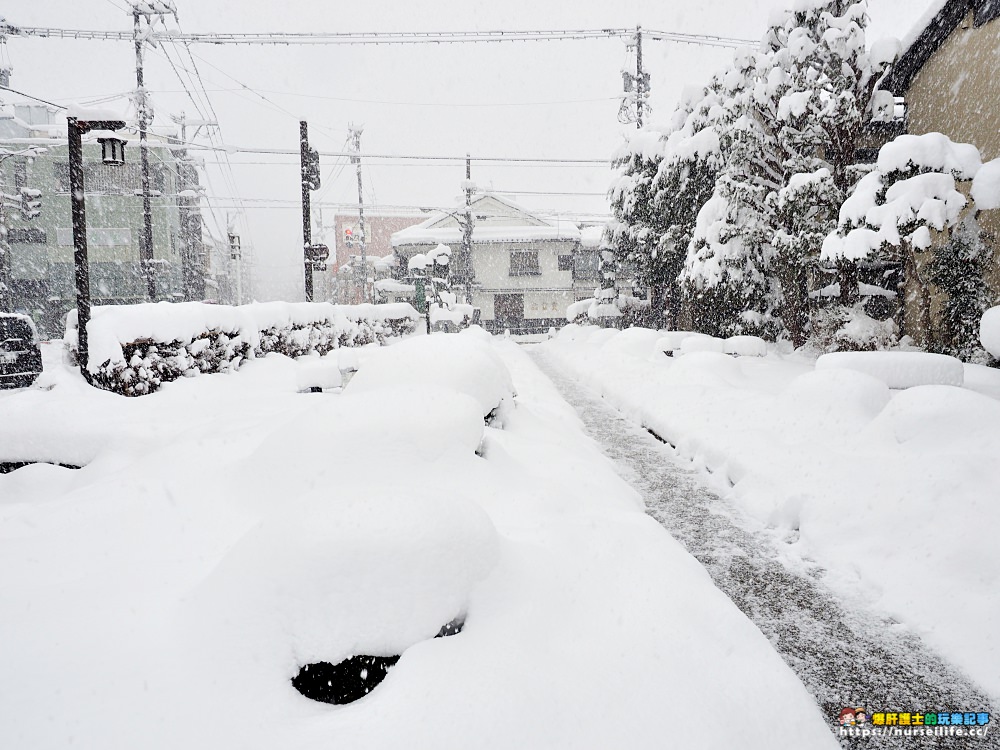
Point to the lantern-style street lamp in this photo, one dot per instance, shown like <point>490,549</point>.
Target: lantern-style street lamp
<point>75,130</point>
<point>112,150</point>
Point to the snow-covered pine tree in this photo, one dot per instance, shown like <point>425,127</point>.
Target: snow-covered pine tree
<point>726,271</point>
<point>893,209</point>
<point>807,211</point>
<point>798,105</point>
<point>958,268</point>
<point>634,224</point>
<point>684,183</point>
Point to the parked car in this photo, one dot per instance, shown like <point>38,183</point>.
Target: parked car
<point>20,357</point>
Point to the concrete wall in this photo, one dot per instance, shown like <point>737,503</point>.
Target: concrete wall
<point>956,92</point>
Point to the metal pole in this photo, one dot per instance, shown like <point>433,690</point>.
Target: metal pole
<point>80,261</point>
<point>306,212</point>
<point>6,293</point>
<point>640,81</point>
<point>146,238</point>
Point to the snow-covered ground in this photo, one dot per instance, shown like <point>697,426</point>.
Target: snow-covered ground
<point>228,529</point>
<point>894,492</point>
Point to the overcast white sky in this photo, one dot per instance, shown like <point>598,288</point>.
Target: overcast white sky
<point>513,99</point>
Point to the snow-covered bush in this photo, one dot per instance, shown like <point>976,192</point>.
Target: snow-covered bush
<point>840,328</point>
<point>898,369</point>
<point>893,209</point>
<point>134,349</point>
<point>958,268</point>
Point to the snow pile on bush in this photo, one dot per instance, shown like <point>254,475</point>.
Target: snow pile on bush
<point>133,349</point>
<point>603,305</point>
<point>898,369</point>
<point>911,191</point>
<point>989,332</point>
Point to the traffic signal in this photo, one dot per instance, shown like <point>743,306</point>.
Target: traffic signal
<point>348,237</point>
<point>31,203</point>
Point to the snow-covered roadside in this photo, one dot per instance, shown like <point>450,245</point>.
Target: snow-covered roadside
<point>164,595</point>
<point>892,491</point>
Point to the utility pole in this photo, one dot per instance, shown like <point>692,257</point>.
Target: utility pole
<point>146,238</point>
<point>313,256</point>
<point>192,241</point>
<point>641,79</point>
<point>356,146</point>
<point>306,211</point>
<point>636,86</point>
<point>466,265</point>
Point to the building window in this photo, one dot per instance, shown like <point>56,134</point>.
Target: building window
<point>565,262</point>
<point>524,263</point>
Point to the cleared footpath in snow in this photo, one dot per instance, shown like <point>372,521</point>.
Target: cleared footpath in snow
<point>844,654</point>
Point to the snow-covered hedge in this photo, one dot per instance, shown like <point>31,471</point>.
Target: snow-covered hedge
<point>898,369</point>
<point>133,349</point>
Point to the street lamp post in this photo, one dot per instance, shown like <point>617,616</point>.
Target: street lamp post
<point>75,130</point>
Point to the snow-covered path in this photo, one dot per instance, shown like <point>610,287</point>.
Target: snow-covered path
<point>843,654</point>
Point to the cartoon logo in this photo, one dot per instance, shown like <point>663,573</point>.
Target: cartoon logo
<point>847,717</point>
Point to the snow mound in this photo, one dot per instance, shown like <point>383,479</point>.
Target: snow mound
<point>702,344</point>
<point>989,331</point>
<point>635,342</point>
<point>986,186</point>
<point>461,363</point>
<point>745,346</point>
<point>898,369</point>
<point>671,341</point>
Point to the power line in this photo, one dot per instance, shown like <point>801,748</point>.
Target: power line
<point>21,93</point>
<point>378,37</point>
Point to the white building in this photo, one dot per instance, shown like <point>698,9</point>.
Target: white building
<point>522,268</point>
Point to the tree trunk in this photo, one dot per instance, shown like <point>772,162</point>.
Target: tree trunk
<point>847,275</point>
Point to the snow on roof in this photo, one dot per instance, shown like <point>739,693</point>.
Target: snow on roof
<point>533,228</point>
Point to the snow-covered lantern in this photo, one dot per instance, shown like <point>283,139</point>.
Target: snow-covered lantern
<point>112,149</point>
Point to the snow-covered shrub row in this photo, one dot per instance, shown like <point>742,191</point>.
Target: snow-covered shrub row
<point>134,349</point>
<point>898,369</point>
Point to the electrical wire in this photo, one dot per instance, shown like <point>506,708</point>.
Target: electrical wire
<point>382,37</point>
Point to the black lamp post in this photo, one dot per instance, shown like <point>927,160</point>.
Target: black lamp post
<point>76,129</point>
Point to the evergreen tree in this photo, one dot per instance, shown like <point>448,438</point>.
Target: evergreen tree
<point>890,214</point>
<point>958,268</point>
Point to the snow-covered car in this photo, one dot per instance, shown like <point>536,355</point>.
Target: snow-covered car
<point>20,357</point>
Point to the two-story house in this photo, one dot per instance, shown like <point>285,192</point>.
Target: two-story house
<point>522,267</point>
